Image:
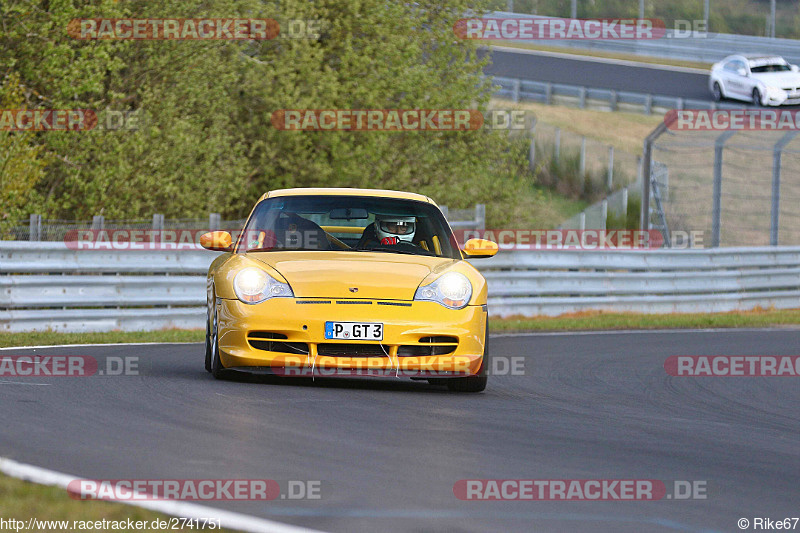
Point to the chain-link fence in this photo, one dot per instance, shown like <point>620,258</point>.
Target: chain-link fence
<point>574,165</point>
<point>738,188</point>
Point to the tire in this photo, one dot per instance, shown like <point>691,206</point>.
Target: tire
<point>757,97</point>
<point>475,383</point>
<point>717,91</point>
<point>217,369</point>
<point>208,345</point>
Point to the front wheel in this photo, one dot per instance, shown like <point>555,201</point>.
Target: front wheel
<point>475,383</point>
<point>717,91</point>
<point>757,97</point>
<point>208,346</point>
<point>217,369</point>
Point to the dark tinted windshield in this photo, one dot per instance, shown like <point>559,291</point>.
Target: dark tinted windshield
<point>770,68</point>
<point>348,223</point>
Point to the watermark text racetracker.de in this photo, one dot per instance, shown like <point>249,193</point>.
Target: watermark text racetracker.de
<point>587,239</point>
<point>197,489</point>
<point>398,120</point>
<point>733,365</point>
<point>67,366</point>
<point>71,120</point>
<point>732,120</point>
<point>579,490</point>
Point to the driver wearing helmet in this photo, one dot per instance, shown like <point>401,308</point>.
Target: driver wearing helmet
<point>393,229</point>
<point>389,230</point>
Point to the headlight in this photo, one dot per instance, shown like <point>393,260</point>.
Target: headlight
<point>775,92</point>
<point>253,285</point>
<point>453,290</point>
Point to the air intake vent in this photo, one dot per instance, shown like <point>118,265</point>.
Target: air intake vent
<point>440,339</point>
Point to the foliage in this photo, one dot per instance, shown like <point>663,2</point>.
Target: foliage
<point>205,141</point>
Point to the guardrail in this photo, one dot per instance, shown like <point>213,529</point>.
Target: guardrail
<point>519,90</point>
<point>704,47</point>
<point>49,286</point>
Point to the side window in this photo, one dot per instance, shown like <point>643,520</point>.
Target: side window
<point>730,66</point>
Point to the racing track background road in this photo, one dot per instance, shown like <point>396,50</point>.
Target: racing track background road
<point>589,406</point>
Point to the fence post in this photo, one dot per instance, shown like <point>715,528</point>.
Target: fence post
<point>648,104</point>
<point>480,216</point>
<point>35,228</point>
<point>532,153</point>
<point>625,206</point>
<point>158,222</point>
<point>548,93</point>
<point>610,167</point>
<point>646,172</point>
<point>98,222</point>
<point>716,208</point>
<point>679,104</point>
<point>515,91</point>
<point>582,221</point>
<point>214,221</point>
<point>583,157</point>
<point>776,186</point>
<point>558,144</point>
<point>445,211</point>
<point>614,100</point>
<point>604,213</point>
<point>583,97</point>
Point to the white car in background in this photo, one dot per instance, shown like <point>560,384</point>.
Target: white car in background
<point>760,79</point>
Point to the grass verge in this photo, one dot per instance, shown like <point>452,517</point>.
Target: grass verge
<point>41,338</point>
<point>21,501</point>
<point>589,321</point>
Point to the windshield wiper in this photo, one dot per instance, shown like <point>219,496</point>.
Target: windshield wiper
<point>276,249</point>
<point>388,250</point>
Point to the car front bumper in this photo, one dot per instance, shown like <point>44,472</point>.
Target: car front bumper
<point>286,336</point>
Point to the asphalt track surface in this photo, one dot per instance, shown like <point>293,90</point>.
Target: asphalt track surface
<point>602,75</point>
<point>589,406</point>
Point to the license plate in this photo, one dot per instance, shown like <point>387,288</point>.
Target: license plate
<point>354,331</point>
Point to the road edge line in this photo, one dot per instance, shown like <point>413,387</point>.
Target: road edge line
<point>228,519</point>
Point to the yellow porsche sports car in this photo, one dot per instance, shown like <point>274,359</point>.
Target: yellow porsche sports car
<point>343,282</point>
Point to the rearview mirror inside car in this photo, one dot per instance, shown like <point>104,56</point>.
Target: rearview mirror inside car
<point>479,248</point>
<point>347,213</point>
<point>218,241</point>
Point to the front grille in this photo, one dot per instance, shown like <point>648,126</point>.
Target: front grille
<point>354,302</point>
<point>352,349</point>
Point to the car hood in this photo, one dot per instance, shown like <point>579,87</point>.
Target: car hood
<point>778,79</point>
<point>375,275</point>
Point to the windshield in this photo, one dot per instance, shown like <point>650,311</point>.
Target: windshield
<point>348,223</point>
<point>781,67</point>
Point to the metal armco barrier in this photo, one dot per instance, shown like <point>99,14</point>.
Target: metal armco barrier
<point>49,286</point>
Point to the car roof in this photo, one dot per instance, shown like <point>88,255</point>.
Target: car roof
<point>762,56</point>
<point>344,191</point>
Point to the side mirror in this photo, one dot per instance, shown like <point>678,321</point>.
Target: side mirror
<point>741,72</point>
<point>217,241</point>
<point>479,248</point>
<point>794,68</point>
